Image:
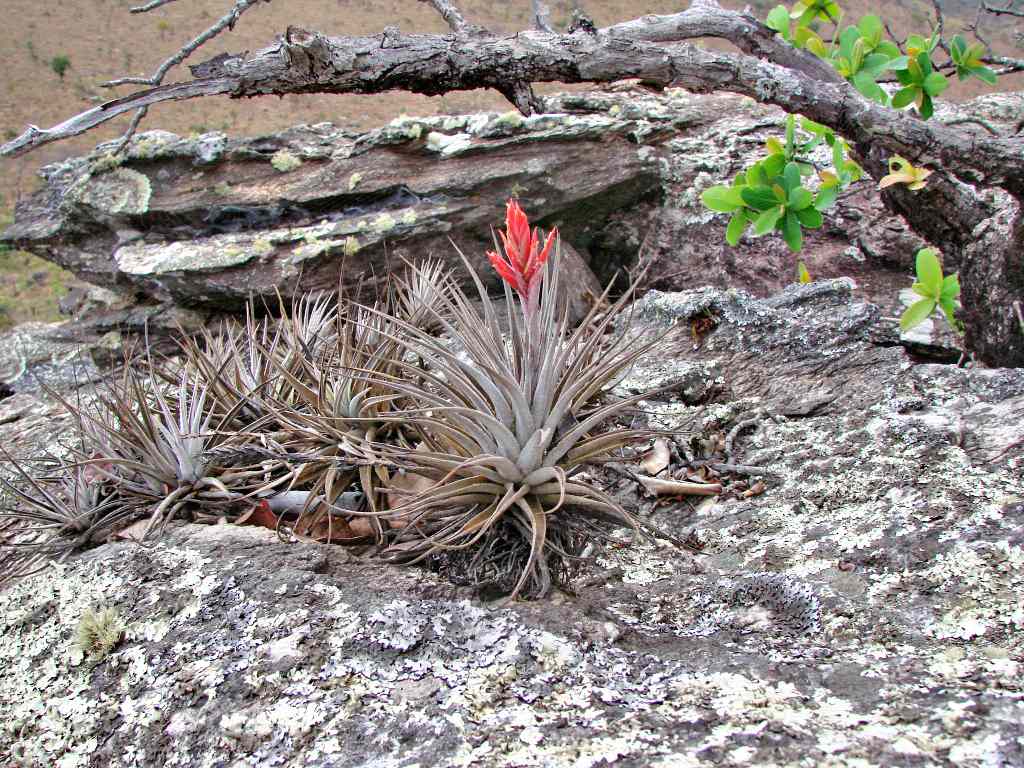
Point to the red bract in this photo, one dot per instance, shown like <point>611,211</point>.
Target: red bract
<point>521,267</point>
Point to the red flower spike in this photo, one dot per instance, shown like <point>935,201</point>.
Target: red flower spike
<point>522,265</point>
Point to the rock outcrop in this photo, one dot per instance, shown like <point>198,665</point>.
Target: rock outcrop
<point>861,607</point>
<point>208,221</point>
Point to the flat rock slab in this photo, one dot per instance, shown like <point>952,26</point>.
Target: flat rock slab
<point>864,610</point>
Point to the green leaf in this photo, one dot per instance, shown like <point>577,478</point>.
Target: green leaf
<point>826,197</point>
<point>871,28</point>
<point>760,198</point>
<point>774,146</point>
<point>847,40</point>
<point>815,45</point>
<point>929,271</point>
<point>935,83</point>
<point>876,63</point>
<point>984,74</point>
<point>791,176</point>
<point>950,288</point>
<point>799,199</point>
<point>865,84</point>
<point>810,217</point>
<point>957,48</point>
<point>766,222</point>
<point>737,226</point>
<point>904,97</point>
<point>778,19</point>
<point>791,232</point>
<point>773,165</point>
<point>926,107</point>
<point>920,290</point>
<point>916,313</point>
<point>802,275</point>
<point>723,199</point>
<point>924,61</point>
<point>889,48</point>
<point>756,176</point>
<point>949,310</point>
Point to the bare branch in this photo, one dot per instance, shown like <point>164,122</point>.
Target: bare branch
<point>309,62</point>
<point>705,18</point>
<point>1007,10</point>
<point>542,16</point>
<point>150,6</point>
<point>227,21</point>
<point>451,14</point>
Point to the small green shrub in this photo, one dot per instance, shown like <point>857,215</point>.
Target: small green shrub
<point>60,65</point>
<point>935,291</point>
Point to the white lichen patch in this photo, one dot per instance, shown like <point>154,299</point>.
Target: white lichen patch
<point>121,191</point>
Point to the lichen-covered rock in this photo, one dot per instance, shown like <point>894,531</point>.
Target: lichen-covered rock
<point>210,222</point>
<point>863,610</point>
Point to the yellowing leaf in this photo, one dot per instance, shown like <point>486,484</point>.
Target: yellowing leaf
<point>801,272</point>
<point>902,171</point>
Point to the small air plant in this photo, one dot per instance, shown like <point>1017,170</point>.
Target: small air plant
<point>58,512</point>
<point>161,448</point>
<point>420,292</point>
<point>508,424</point>
<point>337,418</point>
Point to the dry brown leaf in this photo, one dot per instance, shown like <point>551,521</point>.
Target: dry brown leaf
<point>660,487</point>
<point>134,532</point>
<point>755,490</point>
<point>333,531</point>
<point>260,514</point>
<point>405,486</point>
<point>657,458</point>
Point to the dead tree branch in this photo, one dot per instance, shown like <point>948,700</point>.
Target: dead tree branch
<point>152,6</point>
<point>226,22</point>
<point>451,14</point>
<point>646,49</point>
<point>1006,10</point>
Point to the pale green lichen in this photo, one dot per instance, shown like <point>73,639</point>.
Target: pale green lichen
<point>261,246</point>
<point>353,181</point>
<point>351,246</point>
<point>108,161</point>
<point>120,191</point>
<point>284,161</point>
<point>99,631</point>
<point>384,223</point>
<point>223,189</point>
<point>409,217</point>
<point>510,119</point>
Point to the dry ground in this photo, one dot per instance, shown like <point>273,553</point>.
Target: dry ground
<point>101,40</point>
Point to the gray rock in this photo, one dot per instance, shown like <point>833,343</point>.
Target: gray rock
<point>863,610</point>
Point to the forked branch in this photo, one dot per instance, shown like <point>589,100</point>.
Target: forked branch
<point>648,49</point>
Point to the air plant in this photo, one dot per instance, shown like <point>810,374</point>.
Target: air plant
<point>162,448</point>
<point>420,292</point>
<point>57,513</point>
<point>508,424</point>
<point>337,418</point>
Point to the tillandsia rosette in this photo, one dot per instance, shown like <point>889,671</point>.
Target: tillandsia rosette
<point>506,423</point>
<point>425,425</point>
